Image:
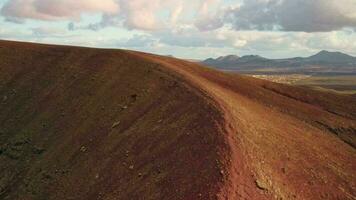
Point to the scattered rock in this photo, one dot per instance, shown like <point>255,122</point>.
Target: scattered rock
<point>83,149</point>
<point>134,97</point>
<point>38,150</point>
<point>116,124</point>
<point>2,150</point>
<point>222,172</point>
<point>158,170</point>
<point>173,84</point>
<point>20,142</point>
<point>139,175</point>
<point>4,98</point>
<point>261,185</point>
<point>131,167</point>
<point>16,148</point>
<point>47,176</point>
<point>13,153</point>
<point>284,170</point>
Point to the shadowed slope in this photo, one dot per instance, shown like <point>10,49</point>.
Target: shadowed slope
<point>82,123</point>
<point>79,123</point>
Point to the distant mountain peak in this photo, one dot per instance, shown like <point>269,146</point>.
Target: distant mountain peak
<point>252,56</point>
<point>228,58</point>
<point>325,60</point>
<point>328,56</point>
<point>249,58</point>
<point>324,52</point>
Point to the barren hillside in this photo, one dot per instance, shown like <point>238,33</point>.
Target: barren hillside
<point>80,123</point>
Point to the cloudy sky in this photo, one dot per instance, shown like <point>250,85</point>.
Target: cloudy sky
<point>187,28</point>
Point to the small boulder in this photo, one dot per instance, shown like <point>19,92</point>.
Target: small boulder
<point>83,149</point>
<point>116,124</point>
<point>222,173</point>
<point>261,185</point>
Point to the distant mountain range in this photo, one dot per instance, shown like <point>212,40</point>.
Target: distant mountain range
<point>322,62</point>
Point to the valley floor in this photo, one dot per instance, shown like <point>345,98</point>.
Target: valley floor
<point>344,84</point>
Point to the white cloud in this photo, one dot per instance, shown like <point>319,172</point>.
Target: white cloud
<point>56,9</point>
<point>48,32</point>
<point>140,14</point>
<point>293,15</point>
<point>151,15</point>
<point>138,41</point>
<point>273,28</point>
<point>176,12</point>
<point>209,15</point>
<point>148,15</point>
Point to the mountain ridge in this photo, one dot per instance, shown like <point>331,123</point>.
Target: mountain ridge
<point>323,60</point>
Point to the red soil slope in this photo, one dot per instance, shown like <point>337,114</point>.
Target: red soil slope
<point>78,123</point>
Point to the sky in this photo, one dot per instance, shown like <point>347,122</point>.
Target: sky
<point>194,29</point>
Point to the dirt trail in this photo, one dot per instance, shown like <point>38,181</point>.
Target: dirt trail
<point>275,155</point>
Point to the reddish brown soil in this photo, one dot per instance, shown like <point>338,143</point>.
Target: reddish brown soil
<point>80,123</point>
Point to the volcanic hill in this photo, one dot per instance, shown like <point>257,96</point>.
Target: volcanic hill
<point>83,123</point>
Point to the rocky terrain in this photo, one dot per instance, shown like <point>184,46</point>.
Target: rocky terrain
<point>82,123</point>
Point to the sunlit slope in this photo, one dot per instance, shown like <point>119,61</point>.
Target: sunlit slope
<point>287,142</point>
